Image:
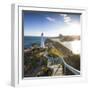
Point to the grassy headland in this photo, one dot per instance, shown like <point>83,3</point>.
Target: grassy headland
<point>35,60</point>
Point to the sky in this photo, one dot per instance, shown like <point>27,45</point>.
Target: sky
<point>50,23</point>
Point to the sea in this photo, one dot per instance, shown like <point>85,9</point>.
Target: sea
<point>74,46</point>
<point>29,40</point>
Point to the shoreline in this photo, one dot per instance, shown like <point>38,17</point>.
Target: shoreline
<point>69,44</point>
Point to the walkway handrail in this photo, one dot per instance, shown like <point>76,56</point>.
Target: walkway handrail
<point>72,69</point>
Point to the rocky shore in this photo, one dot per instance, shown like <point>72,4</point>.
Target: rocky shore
<point>36,61</point>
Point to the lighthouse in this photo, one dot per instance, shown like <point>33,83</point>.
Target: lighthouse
<point>42,41</point>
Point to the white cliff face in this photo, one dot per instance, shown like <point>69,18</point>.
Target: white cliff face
<point>42,41</point>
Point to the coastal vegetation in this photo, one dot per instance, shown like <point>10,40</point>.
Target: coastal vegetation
<point>53,52</point>
<point>73,60</point>
<point>36,62</point>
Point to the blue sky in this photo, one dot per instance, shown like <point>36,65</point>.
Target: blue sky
<point>50,23</point>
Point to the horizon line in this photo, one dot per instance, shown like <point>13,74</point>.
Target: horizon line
<point>52,36</point>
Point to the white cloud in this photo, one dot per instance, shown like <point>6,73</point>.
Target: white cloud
<point>67,19</point>
<point>50,19</point>
<point>72,29</point>
<point>64,15</point>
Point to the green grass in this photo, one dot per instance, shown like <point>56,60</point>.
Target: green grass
<point>73,60</point>
<point>54,52</point>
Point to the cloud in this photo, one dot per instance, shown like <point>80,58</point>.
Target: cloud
<point>67,19</point>
<point>50,19</point>
<point>64,15</point>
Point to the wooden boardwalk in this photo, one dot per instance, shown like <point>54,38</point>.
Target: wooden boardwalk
<point>57,70</point>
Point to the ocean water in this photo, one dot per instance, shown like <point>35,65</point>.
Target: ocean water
<point>74,46</point>
<point>29,40</point>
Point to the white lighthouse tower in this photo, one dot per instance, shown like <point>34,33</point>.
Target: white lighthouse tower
<point>42,41</point>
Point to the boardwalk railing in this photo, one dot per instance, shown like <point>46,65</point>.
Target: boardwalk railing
<point>72,69</point>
